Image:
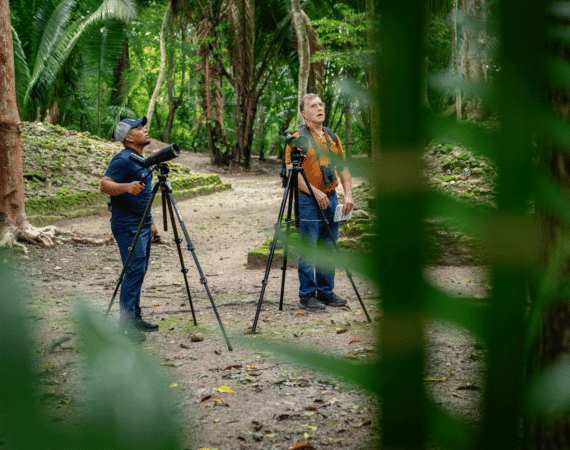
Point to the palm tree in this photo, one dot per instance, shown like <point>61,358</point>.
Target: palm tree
<point>43,44</point>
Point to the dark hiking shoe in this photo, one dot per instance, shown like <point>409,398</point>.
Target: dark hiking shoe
<point>132,333</point>
<point>143,325</point>
<point>331,299</point>
<point>310,303</point>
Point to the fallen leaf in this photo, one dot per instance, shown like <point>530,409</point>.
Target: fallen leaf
<point>233,421</point>
<point>362,424</point>
<point>217,352</point>
<point>457,395</point>
<point>432,379</point>
<point>468,281</point>
<point>303,445</point>
<point>44,367</point>
<point>216,420</point>
<point>171,364</point>
<point>157,304</point>
<point>354,340</point>
<point>233,367</point>
<point>183,346</point>
<point>173,385</point>
<point>351,356</point>
<point>207,397</point>
<point>241,438</point>
<point>300,314</point>
<point>471,387</point>
<point>307,436</point>
<point>225,389</point>
<point>341,330</point>
<point>312,427</point>
<point>252,367</point>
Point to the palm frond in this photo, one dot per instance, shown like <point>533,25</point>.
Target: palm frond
<point>21,68</point>
<point>46,70</point>
<point>54,31</point>
<point>101,52</point>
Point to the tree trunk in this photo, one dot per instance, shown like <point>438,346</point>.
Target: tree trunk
<point>347,131</point>
<point>303,50</point>
<point>243,63</point>
<point>456,68</point>
<point>316,69</point>
<point>473,53</point>
<point>120,87</point>
<point>12,203</point>
<point>209,82</point>
<point>13,220</point>
<point>152,103</point>
<point>173,104</point>
<point>373,85</point>
<point>261,135</point>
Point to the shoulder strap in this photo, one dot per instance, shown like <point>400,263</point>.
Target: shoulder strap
<point>332,135</point>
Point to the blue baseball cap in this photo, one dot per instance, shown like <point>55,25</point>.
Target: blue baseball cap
<point>126,125</point>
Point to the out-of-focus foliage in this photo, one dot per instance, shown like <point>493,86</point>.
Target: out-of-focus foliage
<point>129,405</point>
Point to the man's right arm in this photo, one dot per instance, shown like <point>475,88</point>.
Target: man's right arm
<point>111,187</point>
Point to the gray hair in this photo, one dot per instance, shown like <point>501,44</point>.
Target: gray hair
<point>302,102</point>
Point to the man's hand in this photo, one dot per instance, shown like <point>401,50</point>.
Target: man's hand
<point>348,203</point>
<point>322,199</point>
<point>135,187</point>
<point>154,233</point>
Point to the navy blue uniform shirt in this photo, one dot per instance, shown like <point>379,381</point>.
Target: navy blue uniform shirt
<point>128,209</point>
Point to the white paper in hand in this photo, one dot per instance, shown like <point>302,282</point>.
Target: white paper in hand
<point>339,216</point>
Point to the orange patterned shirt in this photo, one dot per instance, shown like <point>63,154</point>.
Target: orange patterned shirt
<point>311,164</point>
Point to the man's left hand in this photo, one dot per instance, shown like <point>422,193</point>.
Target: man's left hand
<point>348,203</point>
<point>154,232</point>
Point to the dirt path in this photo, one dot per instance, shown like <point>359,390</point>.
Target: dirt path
<point>276,403</point>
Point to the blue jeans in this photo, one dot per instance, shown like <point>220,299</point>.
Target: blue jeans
<point>134,276</point>
<point>313,232</point>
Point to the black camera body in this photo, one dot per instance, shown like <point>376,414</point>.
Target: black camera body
<point>299,145</point>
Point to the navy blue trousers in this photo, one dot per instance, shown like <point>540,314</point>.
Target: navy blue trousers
<point>134,276</point>
<point>313,232</point>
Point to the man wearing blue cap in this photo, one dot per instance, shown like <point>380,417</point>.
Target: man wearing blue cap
<point>129,199</point>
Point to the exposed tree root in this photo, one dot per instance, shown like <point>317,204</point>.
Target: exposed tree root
<point>44,236</point>
<point>86,241</point>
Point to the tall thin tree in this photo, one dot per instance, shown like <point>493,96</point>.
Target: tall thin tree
<point>13,220</point>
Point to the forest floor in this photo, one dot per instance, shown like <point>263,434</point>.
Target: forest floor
<point>277,403</point>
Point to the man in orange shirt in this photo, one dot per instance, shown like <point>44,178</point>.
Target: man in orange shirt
<point>316,284</point>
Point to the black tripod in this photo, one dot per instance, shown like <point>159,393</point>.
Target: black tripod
<point>292,192</point>
<point>168,200</point>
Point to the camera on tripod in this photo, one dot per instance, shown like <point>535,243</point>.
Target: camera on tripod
<point>299,145</point>
<point>166,154</point>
